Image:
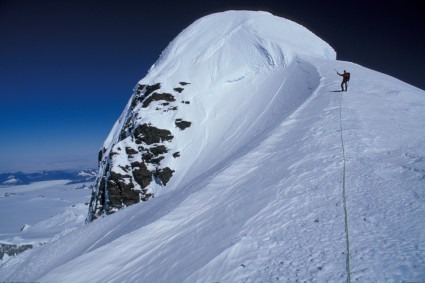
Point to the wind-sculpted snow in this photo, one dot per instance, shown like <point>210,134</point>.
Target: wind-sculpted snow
<point>226,80</point>
<point>257,192</point>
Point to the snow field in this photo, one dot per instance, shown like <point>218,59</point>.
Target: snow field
<point>274,214</point>
<point>385,170</point>
<point>46,208</point>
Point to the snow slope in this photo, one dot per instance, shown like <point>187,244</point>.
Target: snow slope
<point>260,197</point>
<point>239,65</point>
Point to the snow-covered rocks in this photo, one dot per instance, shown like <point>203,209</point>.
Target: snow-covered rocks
<point>8,249</point>
<point>134,161</point>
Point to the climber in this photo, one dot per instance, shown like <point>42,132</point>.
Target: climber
<point>345,78</point>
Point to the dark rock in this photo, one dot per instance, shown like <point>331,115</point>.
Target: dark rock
<point>164,175</point>
<point>179,89</point>
<point>157,150</point>
<point>156,160</point>
<point>150,135</point>
<point>140,96</point>
<point>147,156</point>
<point>114,193</point>
<point>135,101</point>
<point>185,102</point>
<point>120,189</point>
<point>130,150</point>
<point>146,196</point>
<point>141,174</point>
<point>125,131</point>
<point>140,88</point>
<point>184,83</point>
<point>123,134</point>
<point>12,250</point>
<point>100,155</point>
<point>176,154</point>
<point>102,186</point>
<point>152,88</point>
<point>113,152</point>
<point>182,124</point>
<point>157,97</point>
<point>173,108</point>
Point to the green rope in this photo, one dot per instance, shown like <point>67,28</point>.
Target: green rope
<point>344,196</point>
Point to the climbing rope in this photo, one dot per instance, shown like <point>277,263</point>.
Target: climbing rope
<point>344,197</point>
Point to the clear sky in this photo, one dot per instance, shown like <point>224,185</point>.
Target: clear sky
<point>67,68</point>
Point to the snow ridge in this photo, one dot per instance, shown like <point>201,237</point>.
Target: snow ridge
<point>216,65</point>
<point>257,189</point>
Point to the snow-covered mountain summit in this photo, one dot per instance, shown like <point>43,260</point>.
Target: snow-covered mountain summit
<point>262,171</point>
<point>215,89</point>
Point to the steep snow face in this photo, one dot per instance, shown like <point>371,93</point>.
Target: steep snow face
<point>181,120</point>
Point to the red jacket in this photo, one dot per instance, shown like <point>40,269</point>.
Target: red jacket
<point>345,76</point>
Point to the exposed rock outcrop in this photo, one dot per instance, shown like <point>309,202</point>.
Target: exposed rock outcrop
<point>150,135</point>
<point>182,124</point>
<point>12,249</point>
<point>164,175</point>
<point>158,97</point>
<point>128,167</point>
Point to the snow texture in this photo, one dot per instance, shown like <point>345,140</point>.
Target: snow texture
<point>257,195</point>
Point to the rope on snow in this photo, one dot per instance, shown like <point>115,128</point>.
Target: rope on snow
<point>344,197</point>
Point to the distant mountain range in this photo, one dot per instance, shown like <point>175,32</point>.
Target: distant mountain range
<point>21,178</point>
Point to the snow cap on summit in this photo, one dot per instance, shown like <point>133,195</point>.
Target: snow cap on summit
<point>227,47</point>
<point>236,41</point>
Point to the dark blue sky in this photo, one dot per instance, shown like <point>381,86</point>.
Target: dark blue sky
<point>67,68</point>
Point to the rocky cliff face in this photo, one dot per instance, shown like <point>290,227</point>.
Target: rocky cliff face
<point>135,159</point>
